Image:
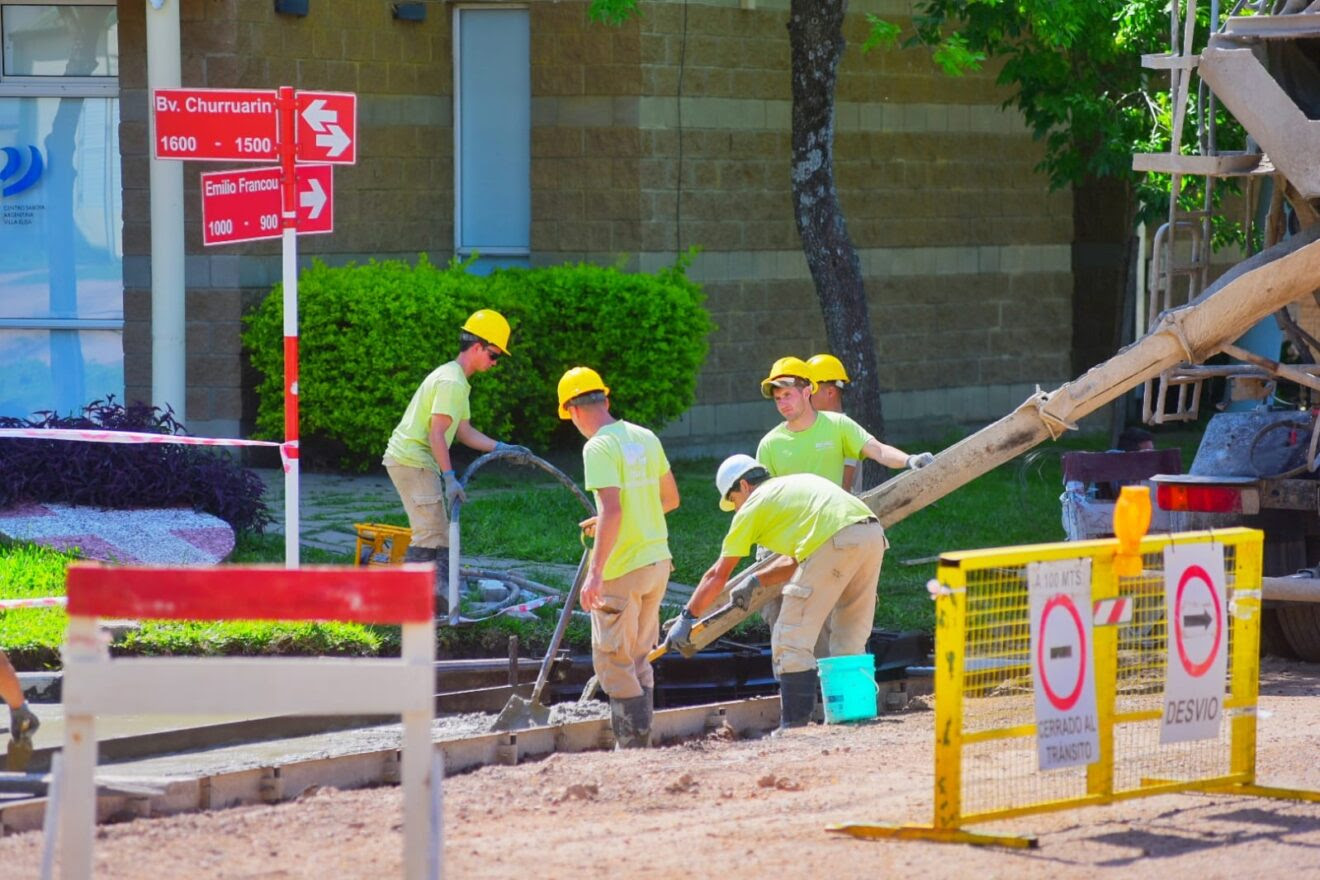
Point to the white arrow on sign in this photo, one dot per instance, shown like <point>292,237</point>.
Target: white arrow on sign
<point>318,117</point>
<point>335,140</point>
<point>314,199</point>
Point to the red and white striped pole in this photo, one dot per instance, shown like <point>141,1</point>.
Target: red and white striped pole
<point>289,224</point>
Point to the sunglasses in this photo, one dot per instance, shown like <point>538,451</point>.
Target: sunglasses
<point>493,353</point>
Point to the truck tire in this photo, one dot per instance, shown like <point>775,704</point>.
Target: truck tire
<point>1273,642</point>
<point>1300,622</point>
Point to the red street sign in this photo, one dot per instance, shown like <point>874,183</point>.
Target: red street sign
<point>327,127</point>
<point>216,125</point>
<point>245,205</point>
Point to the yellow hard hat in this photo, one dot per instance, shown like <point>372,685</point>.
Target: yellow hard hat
<point>827,368</point>
<point>786,368</point>
<point>489,326</point>
<point>579,380</point>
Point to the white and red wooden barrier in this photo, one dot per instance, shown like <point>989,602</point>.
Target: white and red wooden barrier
<point>95,684</point>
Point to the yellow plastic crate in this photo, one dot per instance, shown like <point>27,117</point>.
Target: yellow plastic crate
<point>379,544</point>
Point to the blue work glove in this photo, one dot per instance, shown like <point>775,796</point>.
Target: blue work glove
<point>919,460</point>
<point>23,722</point>
<point>741,595</point>
<point>521,452</point>
<point>680,629</point>
<point>453,488</point>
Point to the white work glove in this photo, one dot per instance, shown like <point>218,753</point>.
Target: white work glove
<point>453,488</point>
<point>680,629</point>
<point>741,595</point>
<point>919,460</point>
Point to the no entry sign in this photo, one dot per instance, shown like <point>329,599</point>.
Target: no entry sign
<point>215,125</point>
<point>1197,655</point>
<point>1063,665</point>
<point>245,205</point>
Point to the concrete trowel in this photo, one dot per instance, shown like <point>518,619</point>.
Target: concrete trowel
<point>519,713</point>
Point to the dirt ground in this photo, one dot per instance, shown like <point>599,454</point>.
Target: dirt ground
<point>726,808</point>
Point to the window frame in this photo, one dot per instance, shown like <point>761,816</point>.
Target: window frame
<point>55,86</point>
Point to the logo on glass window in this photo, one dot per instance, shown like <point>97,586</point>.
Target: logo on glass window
<point>21,171</point>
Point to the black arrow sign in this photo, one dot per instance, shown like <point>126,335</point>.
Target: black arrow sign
<point>1062,652</point>
<point>1202,620</point>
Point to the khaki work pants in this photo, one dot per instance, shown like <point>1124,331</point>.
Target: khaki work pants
<point>837,583</point>
<point>625,629</point>
<point>422,492</point>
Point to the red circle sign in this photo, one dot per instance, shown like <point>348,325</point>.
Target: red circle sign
<point>1062,703</point>
<point>1196,670</point>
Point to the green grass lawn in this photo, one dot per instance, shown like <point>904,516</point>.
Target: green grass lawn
<point>522,514</point>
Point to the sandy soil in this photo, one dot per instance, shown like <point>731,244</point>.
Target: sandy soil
<point>726,808</point>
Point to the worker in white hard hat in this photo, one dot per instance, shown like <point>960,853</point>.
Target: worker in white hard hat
<point>835,543</point>
<point>625,466</point>
<point>417,456</point>
<point>831,378</point>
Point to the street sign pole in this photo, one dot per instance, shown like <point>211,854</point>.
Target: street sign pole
<point>289,221</point>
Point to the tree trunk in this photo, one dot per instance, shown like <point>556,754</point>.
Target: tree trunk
<point>815,32</point>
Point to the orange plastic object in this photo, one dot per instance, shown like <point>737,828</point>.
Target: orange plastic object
<point>1131,519</point>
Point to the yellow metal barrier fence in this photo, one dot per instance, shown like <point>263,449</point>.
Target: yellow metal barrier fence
<point>986,758</point>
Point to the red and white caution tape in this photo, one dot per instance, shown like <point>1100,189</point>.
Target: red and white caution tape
<point>1108,612</point>
<point>86,435</point>
<point>35,602</point>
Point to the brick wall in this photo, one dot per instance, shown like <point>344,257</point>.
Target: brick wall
<point>966,252</point>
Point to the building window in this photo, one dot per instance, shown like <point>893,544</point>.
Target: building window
<point>492,135</point>
<point>61,207</point>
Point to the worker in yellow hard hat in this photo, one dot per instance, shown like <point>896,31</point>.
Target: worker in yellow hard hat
<point>625,466</point>
<point>813,442</point>
<point>831,378</point>
<point>417,456</point>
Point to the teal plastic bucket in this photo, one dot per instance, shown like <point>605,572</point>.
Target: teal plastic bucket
<point>848,686</point>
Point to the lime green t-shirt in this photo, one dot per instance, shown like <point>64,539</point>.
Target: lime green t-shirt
<point>443,392</point>
<point>630,458</point>
<point>793,516</point>
<point>821,449</point>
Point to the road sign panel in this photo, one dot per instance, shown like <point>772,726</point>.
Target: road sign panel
<point>1067,722</point>
<point>327,127</point>
<point>216,125</point>
<point>1197,656</point>
<point>244,205</point>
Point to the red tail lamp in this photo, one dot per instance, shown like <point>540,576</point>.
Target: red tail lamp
<point>1203,499</point>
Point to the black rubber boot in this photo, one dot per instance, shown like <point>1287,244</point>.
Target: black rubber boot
<point>649,693</point>
<point>630,720</point>
<point>419,554</point>
<point>797,697</point>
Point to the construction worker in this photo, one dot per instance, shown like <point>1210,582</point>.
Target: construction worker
<point>23,721</point>
<point>417,457</point>
<point>832,544</point>
<point>814,442</point>
<point>625,466</point>
<point>831,378</point>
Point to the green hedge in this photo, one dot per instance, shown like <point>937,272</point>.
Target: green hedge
<point>369,334</point>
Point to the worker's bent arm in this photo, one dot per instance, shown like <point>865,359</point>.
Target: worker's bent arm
<point>472,438</point>
<point>712,582</point>
<point>668,492</point>
<point>439,448</point>
<point>780,571</point>
<point>887,455</point>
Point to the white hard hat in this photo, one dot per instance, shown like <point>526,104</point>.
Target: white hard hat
<point>731,471</point>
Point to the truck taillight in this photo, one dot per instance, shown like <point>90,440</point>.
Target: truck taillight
<point>1204,499</point>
